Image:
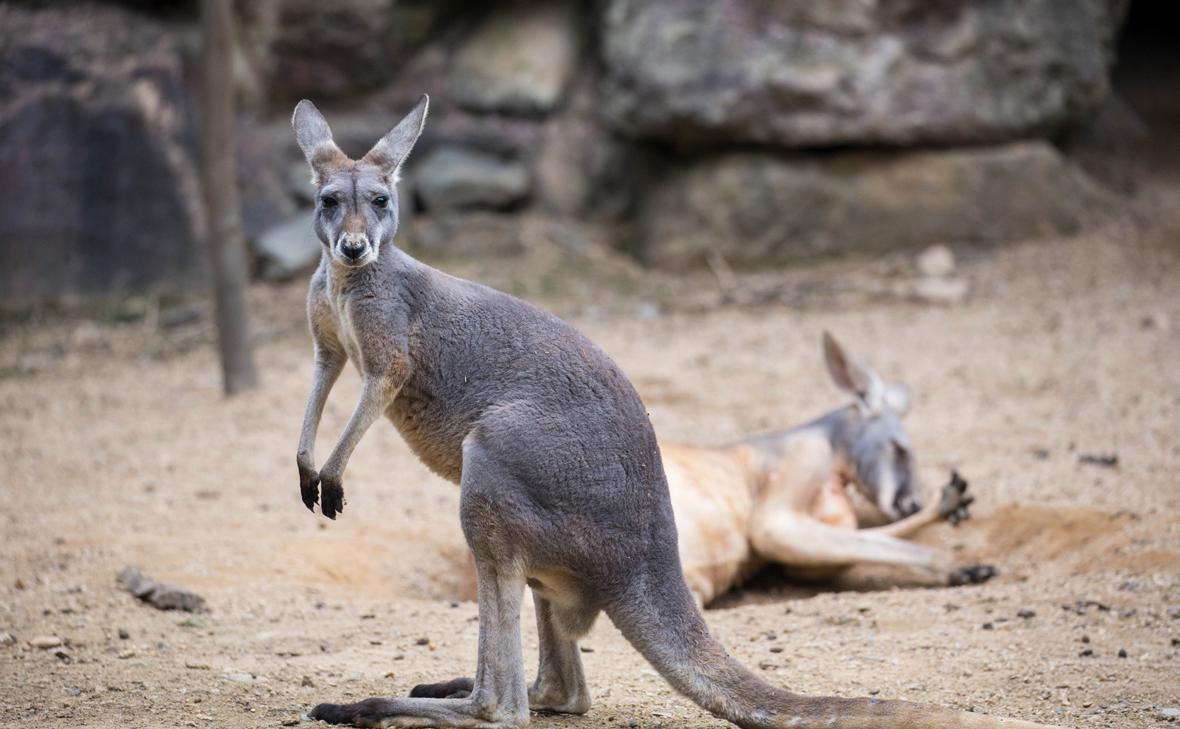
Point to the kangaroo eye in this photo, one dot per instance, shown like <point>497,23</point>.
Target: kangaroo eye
<point>380,201</point>
<point>328,201</point>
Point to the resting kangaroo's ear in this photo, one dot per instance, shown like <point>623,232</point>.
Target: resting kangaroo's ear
<point>315,139</point>
<point>391,151</point>
<point>853,377</point>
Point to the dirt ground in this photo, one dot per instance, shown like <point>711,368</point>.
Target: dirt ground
<point>118,449</point>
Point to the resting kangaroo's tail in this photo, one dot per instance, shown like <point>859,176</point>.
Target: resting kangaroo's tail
<point>661,620</point>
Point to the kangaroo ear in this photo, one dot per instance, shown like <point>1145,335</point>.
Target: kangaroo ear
<point>391,151</point>
<point>853,377</point>
<point>315,139</point>
<point>897,397</point>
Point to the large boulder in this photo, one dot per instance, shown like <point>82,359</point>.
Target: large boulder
<point>799,73</point>
<point>758,209</point>
<point>456,178</point>
<point>101,186</point>
<point>518,60</point>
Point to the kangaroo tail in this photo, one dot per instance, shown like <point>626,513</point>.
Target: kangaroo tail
<point>659,618</point>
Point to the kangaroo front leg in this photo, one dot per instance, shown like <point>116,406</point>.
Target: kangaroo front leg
<point>952,505</point>
<point>328,364</point>
<point>376,396</point>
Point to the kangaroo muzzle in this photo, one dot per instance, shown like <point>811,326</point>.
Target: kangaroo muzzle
<point>352,247</point>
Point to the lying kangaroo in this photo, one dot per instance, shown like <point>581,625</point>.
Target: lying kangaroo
<point>561,484</point>
<point>782,497</point>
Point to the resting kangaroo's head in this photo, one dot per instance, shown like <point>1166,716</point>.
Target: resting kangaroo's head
<point>356,208</point>
<point>879,451</point>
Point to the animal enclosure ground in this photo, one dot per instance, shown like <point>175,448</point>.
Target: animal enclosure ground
<point>118,449</point>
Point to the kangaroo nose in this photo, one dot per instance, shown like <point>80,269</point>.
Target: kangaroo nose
<point>352,248</point>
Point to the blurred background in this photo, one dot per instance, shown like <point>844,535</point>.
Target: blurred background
<point>751,134</point>
<point>980,198</point>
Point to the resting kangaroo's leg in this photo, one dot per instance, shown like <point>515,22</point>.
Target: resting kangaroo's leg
<point>786,537</point>
<point>561,684</point>
<point>951,505</point>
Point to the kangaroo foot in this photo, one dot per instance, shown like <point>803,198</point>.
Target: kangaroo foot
<point>973,574</point>
<point>456,688</point>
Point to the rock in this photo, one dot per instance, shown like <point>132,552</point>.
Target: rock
<point>800,74</point>
<point>936,261</point>
<point>7,638</point>
<point>45,642</point>
<point>517,61</point>
<point>936,290</point>
<point>325,50</point>
<point>159,594</point>
<point>1170,712</point>
<point>758,209</point>
<point>123,634</point>
<point>288,249</point>
<point>467,234</point>
<point>455,178</point>
<point>96,132</point>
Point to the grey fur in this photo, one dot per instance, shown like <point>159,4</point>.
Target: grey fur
<point>561,484</point>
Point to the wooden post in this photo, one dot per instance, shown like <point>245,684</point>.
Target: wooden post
<point>226,242</point>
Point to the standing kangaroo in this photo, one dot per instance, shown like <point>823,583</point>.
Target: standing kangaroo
<point>782,497</point>
<point>561,484</point>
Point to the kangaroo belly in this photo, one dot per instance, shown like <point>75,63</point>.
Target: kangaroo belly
<point>712,506</point>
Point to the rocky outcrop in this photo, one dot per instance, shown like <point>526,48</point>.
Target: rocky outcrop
<point>756,209</point>
<point>798,73</point>
<point>101,188</point>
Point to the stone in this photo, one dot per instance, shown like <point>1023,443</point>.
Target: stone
<point>450,178</point>
<point>102,184</point>
<point>160,595</point>
<point>936,261</point>
<point>288,249</point>
<point>758,209</point>
<point>798,73</point>
<point>45,642</point>
<point>517,61</point>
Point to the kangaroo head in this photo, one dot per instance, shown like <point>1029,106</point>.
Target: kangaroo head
<point>356,209</point>
<point>879,451</point>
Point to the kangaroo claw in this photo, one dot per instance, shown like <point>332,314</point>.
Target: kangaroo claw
<point>332,497</point>
<point>309,487</point>
<point>955,500</point>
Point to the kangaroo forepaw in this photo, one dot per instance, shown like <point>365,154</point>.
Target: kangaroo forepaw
<point>955,500</point>
<point>331,496</point>
<point>458,688</point>
<point>974,574</point>
<point>309,486</point>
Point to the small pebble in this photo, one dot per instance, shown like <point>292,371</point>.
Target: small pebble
<point>1086,653</point>
<point>123,634</point>
<point>45,642</point>
<point>1026,614</point>
<point>988,626</point>
<point>1122,652</point>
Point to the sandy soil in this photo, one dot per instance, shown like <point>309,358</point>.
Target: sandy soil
<point>120,450</point>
